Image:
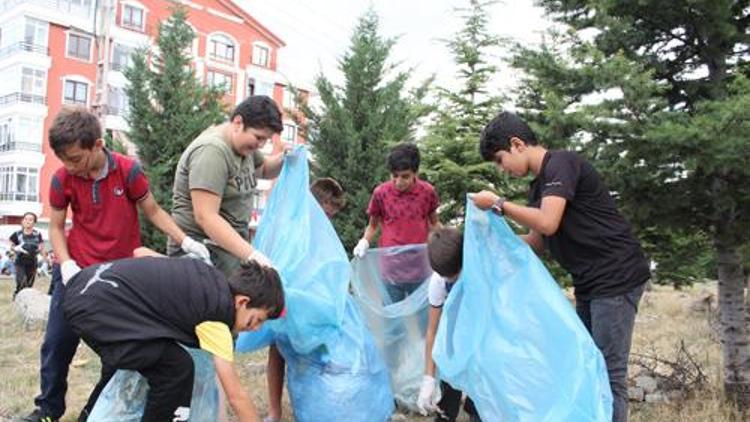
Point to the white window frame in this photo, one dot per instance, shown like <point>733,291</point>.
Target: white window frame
<point>210,80</point>
<point>290,99</point>
<point>38,84</point>
<point>232,41</point>
<point>257,58</point>
<point>128,60</point>
<point>41,30</point>
<point>133,5</point>
<point>9,183</point>
<point>287,135</point>
<point>70,34</point>
<point>76,80</point>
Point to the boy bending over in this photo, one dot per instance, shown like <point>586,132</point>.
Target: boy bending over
<point>138,313</point>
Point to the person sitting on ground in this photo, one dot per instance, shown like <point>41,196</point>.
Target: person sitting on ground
<point>140,313</point>
<point>445,251</point>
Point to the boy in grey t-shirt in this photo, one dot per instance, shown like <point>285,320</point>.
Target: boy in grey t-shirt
<point>216,179</point>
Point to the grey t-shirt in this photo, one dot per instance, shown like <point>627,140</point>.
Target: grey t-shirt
<point>209,163</point>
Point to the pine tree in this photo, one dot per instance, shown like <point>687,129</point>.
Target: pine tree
<point>658,97</point>
<point>168,108</point>
<point>450,150</point>
<point>351,133</point>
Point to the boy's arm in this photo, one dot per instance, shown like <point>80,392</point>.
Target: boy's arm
<point>271,167</point>
<point>429,341</point>
<point>434,221</point>
<point>372,227</point>
<point>206,206</point>
<point>159,218</point>
<point>544,220</point>
<point>238,398</point>
<point>534,240</point>
<point>275,378</point>
<point>57,234</point>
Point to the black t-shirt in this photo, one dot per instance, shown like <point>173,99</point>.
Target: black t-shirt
<point>594,241</point>
<point>30,243</point>
<point>141,299</point>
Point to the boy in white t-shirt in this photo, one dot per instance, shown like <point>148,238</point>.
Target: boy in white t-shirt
<point>445,250</point>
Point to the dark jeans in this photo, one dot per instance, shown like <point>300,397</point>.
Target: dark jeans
<point>450,404</point>
<point>399,291</point>
<point>58,349</point>
<point>25,276</point>
<point>610,321</point>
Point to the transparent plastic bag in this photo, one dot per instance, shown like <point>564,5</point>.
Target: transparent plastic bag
<point>124,397</point>
<point>397,320</point>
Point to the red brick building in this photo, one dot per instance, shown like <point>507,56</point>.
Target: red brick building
<point>58,52</point>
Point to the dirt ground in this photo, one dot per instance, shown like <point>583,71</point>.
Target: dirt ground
<point>667,317</point>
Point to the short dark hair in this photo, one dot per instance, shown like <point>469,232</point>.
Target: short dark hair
<point>403,157</point>
<point>74,125</point>
<point>31,214</point>
<point>261,284</point>
<point>445,249</point>
<point>496,135</point>
<point>259,112</point>
<point>328,190</point>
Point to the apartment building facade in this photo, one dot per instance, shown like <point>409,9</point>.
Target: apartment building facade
<point>55,53</point>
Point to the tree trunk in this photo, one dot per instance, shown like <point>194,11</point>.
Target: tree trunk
<point>735,335</point>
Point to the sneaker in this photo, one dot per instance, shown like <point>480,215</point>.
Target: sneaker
<point>37,416</point>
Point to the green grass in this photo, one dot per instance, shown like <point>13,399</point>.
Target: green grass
<point>666,317</point>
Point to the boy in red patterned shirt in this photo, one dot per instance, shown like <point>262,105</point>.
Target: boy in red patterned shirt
<point>405,210</point>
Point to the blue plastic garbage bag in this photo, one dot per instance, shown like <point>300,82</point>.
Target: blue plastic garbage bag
<point>510,339</point>
<point>334,370</point>
<point>348,383</point>
<point>124,397</point>
<point>303,245</point>
<point>398,321</point>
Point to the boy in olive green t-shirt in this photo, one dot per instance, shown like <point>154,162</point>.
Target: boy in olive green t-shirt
<point>216,178</point>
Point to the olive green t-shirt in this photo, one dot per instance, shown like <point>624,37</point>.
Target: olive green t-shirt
<point>209,163</point>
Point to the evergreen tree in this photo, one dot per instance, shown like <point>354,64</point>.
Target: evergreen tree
<point>168,108</point>
<point>351,133</point>
<point>658,97</point>
<point>451,156</point>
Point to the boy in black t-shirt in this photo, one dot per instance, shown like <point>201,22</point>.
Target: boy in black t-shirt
<point>571,213</point>
<point>136,313</point>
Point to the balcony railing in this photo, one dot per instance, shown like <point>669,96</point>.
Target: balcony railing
<point>19,196</point>
<point>23,46</point>
<point>61,5</point>
<point>20,146</point>
<point>22,97</point>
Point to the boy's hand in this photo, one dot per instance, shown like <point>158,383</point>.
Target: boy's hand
<point>68,270</point>
<point>484,199</point>
<point>426,402</point>
<point>198,250</point>
<point>361,249</point>
<point>20,249</point>
<point>260,258</point>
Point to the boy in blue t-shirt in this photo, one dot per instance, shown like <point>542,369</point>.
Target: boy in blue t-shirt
<point>445,251</point>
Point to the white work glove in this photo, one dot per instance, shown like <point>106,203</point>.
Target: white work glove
<point>261,259</point>
<point>361,249</point>
<point>427,400</point>
<point>20,249</point>
<point>69,269</point>
<point>196,249</point>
